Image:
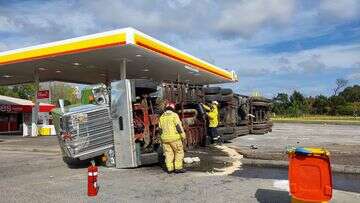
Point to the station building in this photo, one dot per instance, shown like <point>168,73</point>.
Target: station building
<point>16,114</point>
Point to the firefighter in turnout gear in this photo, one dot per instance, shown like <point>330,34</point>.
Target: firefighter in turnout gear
<point>213,115</point>
<point>172,137</point>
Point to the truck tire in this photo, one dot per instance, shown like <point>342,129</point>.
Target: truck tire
<point>260,104</point>
<point>215,97</point>
<point>243,122</point>
<point>241,130</point>
<point>259,132</point>
<point>225,130</point>
<point>227,137</point>
<point>226,91</point>
<point>212,90</point>
<point>227,98</point>
<point>260,126</point>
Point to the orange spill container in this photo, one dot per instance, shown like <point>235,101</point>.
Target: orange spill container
<point>310,176</point>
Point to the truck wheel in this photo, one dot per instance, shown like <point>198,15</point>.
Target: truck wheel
<point>226,91</point>
<point>227,137</point>
<point>225,130</point>
<point>260,126</point>
<point>227,98</point>
<point>259,132</point>
<point>266,104</point>
<point>241,130</point>
<point>214,97</point>
<point>212,90</point>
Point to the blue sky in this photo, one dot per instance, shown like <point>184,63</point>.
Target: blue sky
<point>273,45</point>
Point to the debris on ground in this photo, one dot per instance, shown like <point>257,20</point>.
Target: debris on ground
<point>235,164</point>
<point>254,147</point>
<point>190,160</point>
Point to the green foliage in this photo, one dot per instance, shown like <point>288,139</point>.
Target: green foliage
<point>26,91</point>
<point>346,103</point>
<point>63,91</point>
<point>58,91</point>
<point>320,105</point>
<point>7,91</point>
<point>351,94</point>
<point>281,103</point>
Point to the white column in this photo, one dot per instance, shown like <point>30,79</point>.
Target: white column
<point>123,69</point>
<point>35,109</point>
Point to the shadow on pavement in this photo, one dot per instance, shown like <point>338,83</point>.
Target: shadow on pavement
<point>265,195</point>
<point>345,182</point>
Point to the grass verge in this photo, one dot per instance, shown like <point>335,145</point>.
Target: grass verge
<point>335,120</point>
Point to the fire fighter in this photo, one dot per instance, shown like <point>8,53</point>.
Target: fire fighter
<point>213,115</point>
<point>172,137</point>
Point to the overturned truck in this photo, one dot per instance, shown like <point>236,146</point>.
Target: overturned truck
<point>87,131</point>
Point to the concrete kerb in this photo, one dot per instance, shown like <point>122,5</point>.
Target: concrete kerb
<point>284,164</point>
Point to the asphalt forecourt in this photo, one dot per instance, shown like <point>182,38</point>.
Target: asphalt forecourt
<point>30,175</point>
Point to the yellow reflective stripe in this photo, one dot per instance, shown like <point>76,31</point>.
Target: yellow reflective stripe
<point>66,48</point>
<point>174,54</point>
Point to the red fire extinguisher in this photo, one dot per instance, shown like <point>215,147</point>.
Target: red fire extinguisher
<point>93,187</point>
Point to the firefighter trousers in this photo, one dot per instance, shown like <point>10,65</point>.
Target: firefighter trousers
<point>174,155</point>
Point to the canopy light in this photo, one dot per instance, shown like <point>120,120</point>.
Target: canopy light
<point>191,69</point>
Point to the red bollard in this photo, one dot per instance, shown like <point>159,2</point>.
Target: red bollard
<point>93,187</point>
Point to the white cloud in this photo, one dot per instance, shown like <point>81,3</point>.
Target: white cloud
<point>354,76</point>
<point>7,25</point>
<point>355,73</point>
<point>313,64</point>
<point>247,17</point>
<point>3,46</point>
<point>344,9</point>
<point>178,3</point>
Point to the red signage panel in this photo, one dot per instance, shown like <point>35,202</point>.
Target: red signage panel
<point>11,108</point>
<point>43,94</point>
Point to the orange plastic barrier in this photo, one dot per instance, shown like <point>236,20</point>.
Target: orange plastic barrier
<point>310,176</point>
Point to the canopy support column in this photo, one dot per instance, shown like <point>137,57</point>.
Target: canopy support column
<point>35,109</point>
<point>108,88</point>
<point>123,69</point>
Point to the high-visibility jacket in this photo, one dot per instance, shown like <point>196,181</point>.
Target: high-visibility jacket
<point>168,122</point>
<point>213,115</point>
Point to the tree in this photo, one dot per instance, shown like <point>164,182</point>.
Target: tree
<point>7,91</point>
<point>340,83</point>
<point>320,105</point>
<point>281,103</point>
<point>64,91</point>
<point>26,91</point>
<point>298,104</point>
<point>335,103</point>
<point>351,94</point>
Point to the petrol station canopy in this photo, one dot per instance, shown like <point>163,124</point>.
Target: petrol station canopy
<point>97,58</point>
